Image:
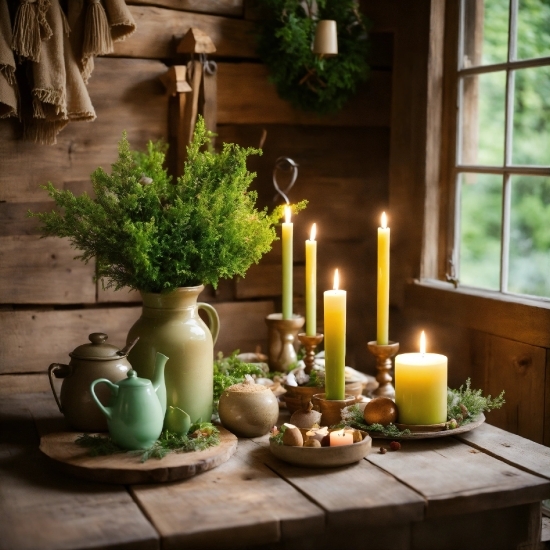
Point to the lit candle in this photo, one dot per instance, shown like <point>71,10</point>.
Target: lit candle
<point>311,284</point>
<point>287,264</point>
<point>340,437</point>
<point>421,386</point>
<point>383,303</point>
<point>335,341</point>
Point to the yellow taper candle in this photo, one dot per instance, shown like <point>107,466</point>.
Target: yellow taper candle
<point>287,264</point>
<point>335,341</point>
<point>311,284</point>
<point>383,302</point>
<point>421,386</point>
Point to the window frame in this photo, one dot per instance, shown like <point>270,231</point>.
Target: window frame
<point>451,151</point>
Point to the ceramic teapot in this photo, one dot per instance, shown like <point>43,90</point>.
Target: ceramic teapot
<point>138,405</point>
<point>96,359</point>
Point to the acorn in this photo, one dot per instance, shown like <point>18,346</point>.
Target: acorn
<point>380,410</point>
<point>292,436</point>
<point>306,418</point>
<point>312,442</point>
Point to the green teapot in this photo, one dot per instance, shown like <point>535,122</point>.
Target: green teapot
<point>137,407</point>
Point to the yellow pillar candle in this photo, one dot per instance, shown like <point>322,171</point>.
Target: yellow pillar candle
<point>383,303</point>
<point>421,386</point>
<point>335,342</point>
<point>287,231</point>
<point>311,284</point>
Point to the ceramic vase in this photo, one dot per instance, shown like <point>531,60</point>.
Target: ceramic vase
<point>170,324</point>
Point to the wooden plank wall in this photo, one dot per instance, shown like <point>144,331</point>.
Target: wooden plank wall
<point>49,302</point>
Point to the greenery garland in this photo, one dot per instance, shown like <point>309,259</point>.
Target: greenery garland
<point>308,82</point>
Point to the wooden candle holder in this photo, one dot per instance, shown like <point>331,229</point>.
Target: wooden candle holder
<point>282,335</point>
<point>310,343</point>
<point>331,409</point>
<point>383,354</point>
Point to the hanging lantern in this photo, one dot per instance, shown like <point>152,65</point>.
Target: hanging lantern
<point>325,43</point>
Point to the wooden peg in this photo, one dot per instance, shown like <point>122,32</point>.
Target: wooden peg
<point>175,80</point>
<point>196,41</point>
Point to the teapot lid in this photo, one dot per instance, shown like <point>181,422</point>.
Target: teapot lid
<point>98,349</point>
<point>133,381</point>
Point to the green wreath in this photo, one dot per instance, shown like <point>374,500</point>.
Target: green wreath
<point>310,83</point>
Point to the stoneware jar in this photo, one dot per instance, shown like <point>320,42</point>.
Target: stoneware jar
<point>248,409</point>
<point>88,363</point>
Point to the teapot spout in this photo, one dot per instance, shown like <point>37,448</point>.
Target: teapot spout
<point>158,380</point>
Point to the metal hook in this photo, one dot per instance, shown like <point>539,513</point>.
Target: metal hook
<point>285,164</point>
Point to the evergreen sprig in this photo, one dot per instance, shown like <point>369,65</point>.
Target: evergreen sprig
<point>201,436</point>
<point>150,234</point>
<point>353,417</point>
<point>308,82</point>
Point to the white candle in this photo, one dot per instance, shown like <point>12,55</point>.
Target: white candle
<point>287,231</point>
<point>340,438</point>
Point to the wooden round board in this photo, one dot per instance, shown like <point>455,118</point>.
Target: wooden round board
<point>431,434</point>
<point>126,468</point>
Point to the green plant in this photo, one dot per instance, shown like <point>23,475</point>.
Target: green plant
<point>149,234</point>
<point>308,82</point>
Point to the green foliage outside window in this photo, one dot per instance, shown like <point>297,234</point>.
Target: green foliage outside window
<point>481,198</point>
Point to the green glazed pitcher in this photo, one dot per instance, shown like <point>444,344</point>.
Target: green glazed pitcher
<point>170,324</point>
<point>135,415</point>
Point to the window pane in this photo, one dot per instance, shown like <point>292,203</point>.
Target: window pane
<point>483,106</point>
<point>531,139</point>
<point>485,32</point>
<point>529,264</point>
<point>533,24</point>
<point>480,227</point>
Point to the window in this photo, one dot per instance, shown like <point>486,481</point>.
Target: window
<point>501,166</point>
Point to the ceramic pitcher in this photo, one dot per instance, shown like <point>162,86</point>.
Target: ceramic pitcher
<point>170,324</point>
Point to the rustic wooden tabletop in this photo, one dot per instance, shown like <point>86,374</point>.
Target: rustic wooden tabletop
<point>479,490</point>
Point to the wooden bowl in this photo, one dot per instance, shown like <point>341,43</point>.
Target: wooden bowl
<point>323,457</point>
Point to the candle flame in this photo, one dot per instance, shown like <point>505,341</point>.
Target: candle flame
<point>288,211</point>
<point>336,280</point>
<point>422,343</point>
<point>313,232</point>
<point>384,221</point>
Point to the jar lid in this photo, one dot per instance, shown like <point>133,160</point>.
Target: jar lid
<point>98,349</point>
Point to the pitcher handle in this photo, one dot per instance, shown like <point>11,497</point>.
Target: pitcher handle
<point>112,387</point>
<point>60,371</point>
<point>213,319</point>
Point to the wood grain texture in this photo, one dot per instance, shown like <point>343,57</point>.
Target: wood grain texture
<point>266,280</point>
<point>456,479</point>
<point>126,94</point>
<point>257,101</point>
<point>43,271</point>
<point>159,30</point>
<point>242,325</point>
<point>12,384</point>
<point>221,7</point>
<point>241,501</point>
<point>35,500</point>
<point>124,469</point>
<point>547,402</point>
<point>358,493</point>
<point>516,319</point>
<point>33,339</point>
<point>518,369</point>
<point>511,448</point>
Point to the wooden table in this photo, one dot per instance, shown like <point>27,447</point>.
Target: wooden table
<point>481,490</point>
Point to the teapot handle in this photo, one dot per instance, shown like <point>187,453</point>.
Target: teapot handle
<point>213,319</point>
<point>60,371</point>
<point>114,389</point>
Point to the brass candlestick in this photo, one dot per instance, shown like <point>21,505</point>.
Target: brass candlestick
<point>282,336</point>
<point>383,354</point>
<point>310,343</point>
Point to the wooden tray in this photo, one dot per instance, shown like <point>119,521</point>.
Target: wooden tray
<point>323,457</point>
<point>430,433</point>
<point>126,468</point>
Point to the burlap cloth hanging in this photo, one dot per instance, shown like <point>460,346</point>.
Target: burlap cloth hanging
<point>96,25</point>
<point>8,83</point>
